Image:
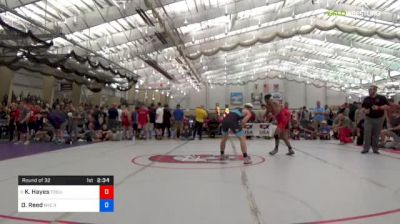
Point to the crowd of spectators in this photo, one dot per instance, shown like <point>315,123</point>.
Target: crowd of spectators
<point>29,119</point>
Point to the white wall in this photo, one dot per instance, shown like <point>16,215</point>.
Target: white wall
<point>296,94</point>
<point>25,83</point>
<point>314,94</point>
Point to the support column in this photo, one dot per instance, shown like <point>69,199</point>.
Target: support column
<point>246,94</point>
<point>207,90</point>
<point>131,95</point>
<point>6,83</point>
<point>157,97</point>
<point>227,96</point>
<point>305,95</point>
<point>48,89</point>
<point>76,94</point>
<point>325,95</point>
<point>150,95</point>
<point>286,91</point>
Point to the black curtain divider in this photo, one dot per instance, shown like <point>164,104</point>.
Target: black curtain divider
<point>27,34</point>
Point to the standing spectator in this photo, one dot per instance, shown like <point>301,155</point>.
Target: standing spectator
<point>113,117</point>
<point>226,110</point>
<point>167,120</point>
<point>328,115</point>
<point>304,115</point>
<point>374,106</point>
<point>72,126</point>
<point>32,120</point>
<point>178,119</point>
<point>12,122</point>
<point>135,122</point>
<point>253,117</point>
<point>126,123</point>
<point>5,100</point>
<point>119,116</point>
<point>358,116</point>
<point>152,117</point>
<point>201,115</point>
<point>352,111</point>
<point>96,116</point>
<point>22,123</point>
<point>143,120</point>
<point>3,112</point>
<point>217,110</point>
<point>159,121</point>
<point>102,116</point>
<point>360,132</point>
<point>319,115</point>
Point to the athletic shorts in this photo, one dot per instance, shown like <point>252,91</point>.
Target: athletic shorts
<point>142,126</point>
<point>150,126</point>
<point>232,125</point>
<point>32,126</point>
<point>283,119</point>
<point>22,128</point>
<point>159,125</point>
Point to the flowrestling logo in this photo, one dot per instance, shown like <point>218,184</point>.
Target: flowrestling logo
<point>362,13</point>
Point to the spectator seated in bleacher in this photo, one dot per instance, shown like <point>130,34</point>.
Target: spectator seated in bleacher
<point>308,130</point>
<point>213,126</point>
<point>187,128</point>
<point>45,132</point>
<point>104,134</point>
<point>324,131</point>
<point>295,129</point>
<point>3,121</point>
<point>392,133</point>
<point>342,126</point>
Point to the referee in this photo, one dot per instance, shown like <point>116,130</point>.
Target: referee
<point>374,107</point>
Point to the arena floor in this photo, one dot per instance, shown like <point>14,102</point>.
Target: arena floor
<point>174,182</point>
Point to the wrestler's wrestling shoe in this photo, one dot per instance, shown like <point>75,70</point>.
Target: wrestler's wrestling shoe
<point>247,160</point>
<point>224,157</point>
<point>273,152</point>
<point>291,152</point>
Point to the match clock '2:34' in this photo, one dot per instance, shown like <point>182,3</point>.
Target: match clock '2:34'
<point>103,180</point>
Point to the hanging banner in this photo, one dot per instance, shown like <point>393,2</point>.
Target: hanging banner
<point>65,86</point>
<point>236,98</point>
<point>276,94</point>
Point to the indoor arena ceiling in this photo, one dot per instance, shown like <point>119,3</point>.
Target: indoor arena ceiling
<point>342,44</point>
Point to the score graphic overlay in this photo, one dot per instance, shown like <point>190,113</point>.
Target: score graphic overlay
<point>65,194</point>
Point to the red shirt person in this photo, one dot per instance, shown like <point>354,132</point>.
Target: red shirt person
<point>143,117</point>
